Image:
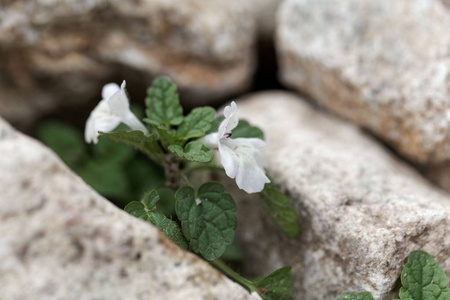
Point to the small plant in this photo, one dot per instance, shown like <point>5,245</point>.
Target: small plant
<point>421,278</point>
<point>204,218</point>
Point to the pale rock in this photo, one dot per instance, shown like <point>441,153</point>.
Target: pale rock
<point>58,53</point>
<point>60,240</point>
<point>384,65</point>
<point>362,211</point>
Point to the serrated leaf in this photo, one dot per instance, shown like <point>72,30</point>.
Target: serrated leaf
<point>145,210</point>
<point>196,123</point>
<point>208,223</point>
<point>163,105</point>
<point>245,130</point>
<point>65,141</point>
<point>277,285</point>
<point>355,296</point>
<point>137,139</point>
<point>279,207</point>
<point>176,149</point>
<point>423,279</point>
<point>193,151</point>
<point>170,229</point>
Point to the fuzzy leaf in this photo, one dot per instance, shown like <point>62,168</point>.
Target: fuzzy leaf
<point>193,151</point>
<point>137,139</point>
<point>355,296</point>
<point>145,210</point>
<point>281,210</point>
<point>208,223</point>
<point>197,123</point>
<point>163,105</point>
<point>245,130</point>
<point>277,285</point>
<point>423,279</point>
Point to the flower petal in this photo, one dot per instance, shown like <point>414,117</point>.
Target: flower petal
<point>247,164</point>
<point>229,160</point>
<point>109,89</point>
<point>118,102</point>
<point>210,140</point>
<point>231,119</point>
<point>133,122</point>
<point>100,119</point>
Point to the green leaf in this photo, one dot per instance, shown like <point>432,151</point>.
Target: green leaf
<point>245,130</point>
<point>215,124</point>
<point>145,210</point>
<point>163,105</point>
<point>137,139</point>
<point>66,141</point>
<point>277,285</point>
<point>197,123</point>
<point>355,296</point>
<point>209,222</point>
<point>423,279</point>
<point>193,151</point>
<point>176,149</point>
<point>143,175</point>
<point>112,152</point>
<point>279,207</point>
<point>107,178</point>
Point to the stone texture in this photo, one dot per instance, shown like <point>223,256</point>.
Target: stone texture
<point>265,12</point>
<point>60,240</point>
<point>384,65</point>
<point>57,52</point>
<point>362,211</point>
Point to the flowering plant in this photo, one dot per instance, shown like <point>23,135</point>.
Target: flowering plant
<point>205,218</point>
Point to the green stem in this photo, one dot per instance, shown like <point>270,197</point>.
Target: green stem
<point>233,275</point>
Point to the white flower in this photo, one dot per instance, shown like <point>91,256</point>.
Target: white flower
<point>113,109</point>
<point>241,158</point>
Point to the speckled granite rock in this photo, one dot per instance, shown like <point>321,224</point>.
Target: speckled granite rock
<point>362,210</point>
<point>61,240</point>
<point>384,65</point>
<point>57,52</point>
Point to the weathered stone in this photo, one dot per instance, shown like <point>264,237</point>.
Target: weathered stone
<point>385,65</point>
<point>60,240</point>
<point>265,12</point>
<point>59,52</point>
<point>362,211</point>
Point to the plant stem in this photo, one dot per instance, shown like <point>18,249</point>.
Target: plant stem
<point>234,275</point>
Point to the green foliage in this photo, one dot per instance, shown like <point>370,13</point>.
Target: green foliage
<point>245,130</point>
<point>196,123</point>
<point>111,169</point>
<point>355,296</point>
<point>65,141</point>
<point>137,139</point>
<point>208,221</point>
<point>281,210</point>
<point>146,210</point>
<point>215,124</point>
<point>423,279</point>
<point>277,285</point>
<point>163,105</point>
<point>194,151</point>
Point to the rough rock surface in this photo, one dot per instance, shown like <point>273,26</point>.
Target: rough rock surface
<point>384,65</point>
<point>57,52</point>
<point>362,211</point>
<point>60,240</point>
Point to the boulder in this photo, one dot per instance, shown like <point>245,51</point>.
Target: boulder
<point>362,211</point>
<point>58,53</point>
<point>60,240</point>
<point>383,65</point>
